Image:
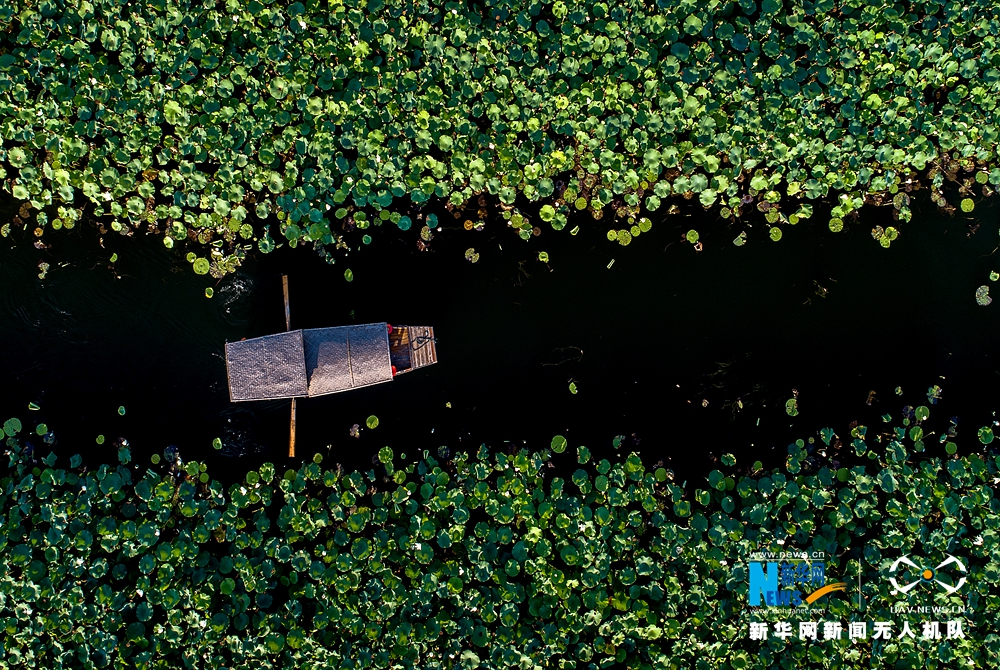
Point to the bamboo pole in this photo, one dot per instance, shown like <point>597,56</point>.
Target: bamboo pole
<point>288,313</point>
<point>288,326</point>
<point>291,438</point>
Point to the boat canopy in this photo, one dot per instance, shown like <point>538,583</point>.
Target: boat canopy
<point>308,363</point>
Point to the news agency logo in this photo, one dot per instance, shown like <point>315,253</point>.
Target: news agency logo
<point>779,583</point>
<point>927,575</point>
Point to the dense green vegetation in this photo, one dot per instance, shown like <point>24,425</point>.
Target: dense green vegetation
<point>229,123</point>
<point>488,560</point>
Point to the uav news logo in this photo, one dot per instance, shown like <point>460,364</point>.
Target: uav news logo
<point>950,580</point>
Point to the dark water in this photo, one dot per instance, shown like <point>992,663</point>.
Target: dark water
<point>648,342</point>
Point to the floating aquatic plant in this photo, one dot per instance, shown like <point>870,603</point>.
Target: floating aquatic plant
<point>284,124</point>
<point>372,421</point>
<point>212,578</point>
<point>792,407</point>
<point>983,296</point>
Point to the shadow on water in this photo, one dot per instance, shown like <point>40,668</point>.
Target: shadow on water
<point>686,354</point>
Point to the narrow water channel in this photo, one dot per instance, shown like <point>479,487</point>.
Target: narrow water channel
<point>687,354</point>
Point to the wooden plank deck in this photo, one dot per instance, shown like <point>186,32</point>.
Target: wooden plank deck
<point>423,352</point>
<point>399,348</point>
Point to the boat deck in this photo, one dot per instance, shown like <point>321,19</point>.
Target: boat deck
<point>423,348</point>
<point>412,347</point>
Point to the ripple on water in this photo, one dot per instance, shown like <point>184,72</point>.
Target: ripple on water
<point>240,433</point>
<point>235,299</point>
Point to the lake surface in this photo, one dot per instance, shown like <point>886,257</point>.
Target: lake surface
<point>688,354</point>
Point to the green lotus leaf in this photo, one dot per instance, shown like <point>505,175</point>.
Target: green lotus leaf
<point>174,114</point>
<point>569,555</point>
<point>983,296</point>
<point>348,275</point>
<point>278,88</point>
<point>480,636</point>
<point>468,660</point>
<point>985,434</point>
<point>558,444</point>
<point>775,233</point>
<point>12,427</point>
<point>692,236</point>
<point>201,266</point>
<point>372,421</point>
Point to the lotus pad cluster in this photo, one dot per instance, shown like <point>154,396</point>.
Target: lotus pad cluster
<point>483,561</point>
<point>203,121</point>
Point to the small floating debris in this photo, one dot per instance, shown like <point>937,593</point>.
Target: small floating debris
<point>983,296</point>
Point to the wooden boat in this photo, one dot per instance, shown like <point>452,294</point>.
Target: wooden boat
<point>319,361</point>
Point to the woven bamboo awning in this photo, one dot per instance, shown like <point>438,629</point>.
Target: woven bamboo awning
<point>308,363</point>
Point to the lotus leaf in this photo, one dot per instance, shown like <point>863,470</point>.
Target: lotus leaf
<point>12,427</point>
<point>983,296</point>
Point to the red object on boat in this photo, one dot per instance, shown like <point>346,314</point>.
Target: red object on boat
<point>389,325</point>
<point>393,370</point>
